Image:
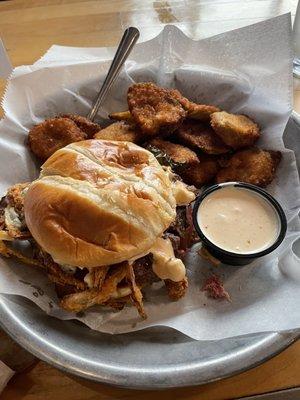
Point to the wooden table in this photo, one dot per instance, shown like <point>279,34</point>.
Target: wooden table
<point>29,28</point>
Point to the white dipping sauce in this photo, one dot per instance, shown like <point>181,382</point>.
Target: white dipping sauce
<point>238,220</point>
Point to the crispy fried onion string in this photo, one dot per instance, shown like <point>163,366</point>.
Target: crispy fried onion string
<point>98,276</point>
<point>8,252</point>
<point>136,294</point>
<point>4,235</point>
<point>58,276</point>
<point>80,301</point>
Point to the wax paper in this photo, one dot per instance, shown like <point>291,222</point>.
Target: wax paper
<point>243,71</point>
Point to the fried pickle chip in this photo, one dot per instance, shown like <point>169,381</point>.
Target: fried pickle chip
<point>181,156</point>
<point>122,116</point>
<point>176,290</point>
<point>201,112</point>
<point>235,130</point>
<point>202,173</point>
<point>84,124</point>
<point>120,131</point>
<point>200,137</point>
<point>53,134</point>
<point>81,301</point>
<point>154,109</point>
<point>136,294</point>
<point>252,165</point>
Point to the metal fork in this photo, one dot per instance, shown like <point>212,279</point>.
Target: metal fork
<point>127,43</point>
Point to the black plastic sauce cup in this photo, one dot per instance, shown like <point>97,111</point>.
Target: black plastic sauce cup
<point>232,258</point>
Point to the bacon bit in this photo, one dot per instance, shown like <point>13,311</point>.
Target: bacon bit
<point>215,289</point>
<point>204,253</point>
<point>189,236</point>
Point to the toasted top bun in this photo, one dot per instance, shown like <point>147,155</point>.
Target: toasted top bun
<point>99,202</point>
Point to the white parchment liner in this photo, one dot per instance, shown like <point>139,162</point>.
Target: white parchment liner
<point>247,71</point>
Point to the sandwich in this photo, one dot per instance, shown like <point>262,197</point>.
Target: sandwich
<point>104,220</point>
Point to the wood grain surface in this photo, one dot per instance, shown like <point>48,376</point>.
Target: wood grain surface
<point>29,28</point>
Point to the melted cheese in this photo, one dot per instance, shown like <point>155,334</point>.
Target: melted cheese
<point>182,194</point>
<point>68,269</point>
<point>165,264</point>
<point>89,279</point>
<point>121,292</point>
<point>12,218</point>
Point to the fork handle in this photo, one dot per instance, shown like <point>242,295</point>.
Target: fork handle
<point>127,42</point>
